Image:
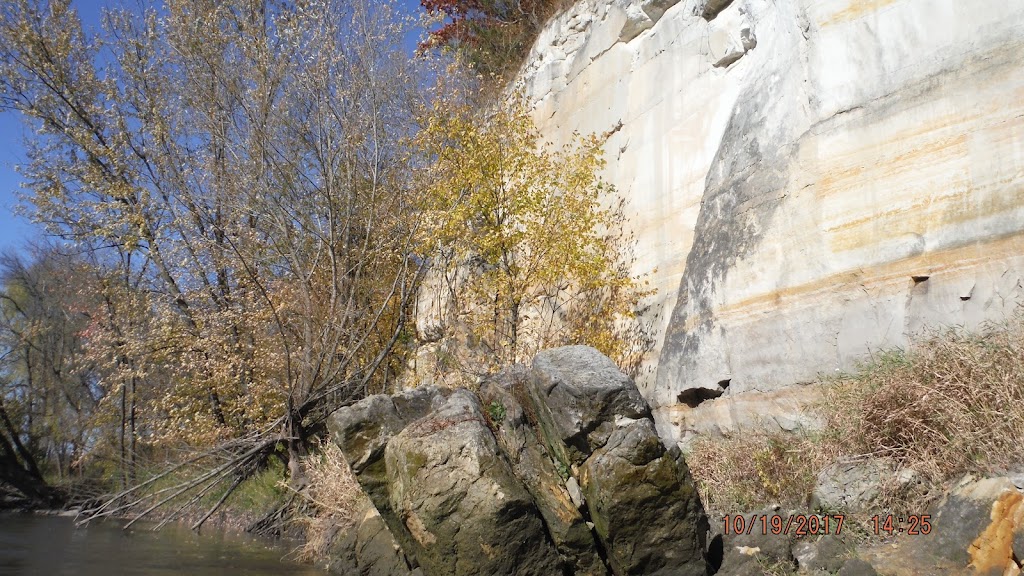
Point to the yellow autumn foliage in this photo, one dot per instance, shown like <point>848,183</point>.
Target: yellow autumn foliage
<point>525,229</point>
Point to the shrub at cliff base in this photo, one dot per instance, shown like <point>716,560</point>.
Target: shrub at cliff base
<point>952,404</point>
<point>335,500</point>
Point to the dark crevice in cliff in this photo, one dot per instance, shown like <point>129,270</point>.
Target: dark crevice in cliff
<point>694,397</point>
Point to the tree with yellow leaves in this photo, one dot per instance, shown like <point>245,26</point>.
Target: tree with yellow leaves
<point>535,255</point>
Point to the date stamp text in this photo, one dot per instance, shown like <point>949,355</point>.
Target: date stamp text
<point>792,525</point>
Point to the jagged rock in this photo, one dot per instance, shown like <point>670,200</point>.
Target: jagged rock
<point>655,9</point>
<point>558,469</point>
<point>575,493</point>
<point>709,9</point>
<point>636,22</point>
<point>459,500</point>
<point>368,549</point>
<point>978,524</point>
<point>580,397</point>
<point>642,16</point>
<point>730,36</point>
<point>640,497</point>
<point>363,430</point>
<point>529,459</point>
<point>644,505</point>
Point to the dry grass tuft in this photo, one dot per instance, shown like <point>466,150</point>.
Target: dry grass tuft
<point>335,498</point>
<point>741,474</point>
<point>951,405</point>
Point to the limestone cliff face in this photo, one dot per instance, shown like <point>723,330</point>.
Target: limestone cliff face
<point>813,179</point>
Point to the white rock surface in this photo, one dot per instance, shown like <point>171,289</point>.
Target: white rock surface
<point>730,36</point>
<point>813,179</point>
<point>782,410</point>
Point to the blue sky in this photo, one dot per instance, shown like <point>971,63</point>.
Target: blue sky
<point>15,230</point>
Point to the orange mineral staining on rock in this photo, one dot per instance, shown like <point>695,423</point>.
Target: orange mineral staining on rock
<point>992,551</point>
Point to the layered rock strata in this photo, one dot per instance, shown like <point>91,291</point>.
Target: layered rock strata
<point>814,180</point>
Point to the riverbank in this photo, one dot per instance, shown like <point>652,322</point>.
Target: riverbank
<point>251,503</point>
<point>54,545</point>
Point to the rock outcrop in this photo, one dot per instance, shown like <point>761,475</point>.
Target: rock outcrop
<point>594,421</point>
<point>515,426</point>
<point>556,469</point>
<point>977,528</point>
<point>812,179</point>
<point>367,549</point>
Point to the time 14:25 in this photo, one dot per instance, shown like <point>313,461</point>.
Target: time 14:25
<point>913,525</point>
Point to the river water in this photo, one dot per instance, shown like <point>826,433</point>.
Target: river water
<point>33,545</point>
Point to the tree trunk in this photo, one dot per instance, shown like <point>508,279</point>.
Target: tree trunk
<point>18,469</point>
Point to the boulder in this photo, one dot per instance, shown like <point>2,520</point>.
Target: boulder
<point>363,430</point>
<point>580,396</point>
<point>644,504</point>
<point>556,469</point>
<point>459,501</point>
<point>368,549</point>
<point>972,531</point>
<point>640,496</point>
<point>751,554</point>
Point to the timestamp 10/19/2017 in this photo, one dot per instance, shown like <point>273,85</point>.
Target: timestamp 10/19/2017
<point>815,525</point>
<point>790,525</point>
